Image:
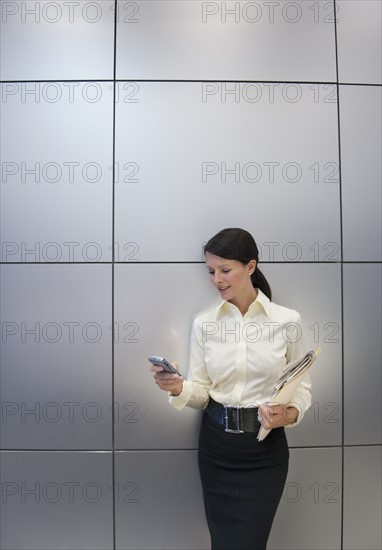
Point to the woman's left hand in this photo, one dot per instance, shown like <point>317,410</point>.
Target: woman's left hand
<point>276,416</point>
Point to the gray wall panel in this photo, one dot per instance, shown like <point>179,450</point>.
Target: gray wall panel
<point>156,40</point>
<point>361,115</point>
<point>56,40</point>
<point>154,310</point>
<point>56,500</point>
<point>309,515</point>
<point>178,148</point>
<point>139,423</point>
<point>56,184</point>
<point>157,489</point>
<point>314,291</point>
<point>362,498</point>
<point>55,357</point>
<point>363,354</point>
<point>359,41</point>
<point>310,500</point>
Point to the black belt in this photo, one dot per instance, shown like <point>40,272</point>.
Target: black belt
<point>234,419</point>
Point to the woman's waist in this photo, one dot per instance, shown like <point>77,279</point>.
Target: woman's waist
<point>235,418</point>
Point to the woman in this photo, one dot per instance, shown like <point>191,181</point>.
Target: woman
<point>237,352</point>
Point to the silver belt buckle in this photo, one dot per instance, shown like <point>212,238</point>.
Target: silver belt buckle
<point>230,430</point>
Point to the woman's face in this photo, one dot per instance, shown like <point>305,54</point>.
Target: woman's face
<point>231,278</point>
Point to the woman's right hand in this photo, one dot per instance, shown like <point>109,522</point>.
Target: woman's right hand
<point>167,381</point>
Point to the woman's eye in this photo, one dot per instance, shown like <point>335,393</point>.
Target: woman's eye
<point>226,270</point>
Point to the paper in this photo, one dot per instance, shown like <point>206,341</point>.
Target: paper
<point>289,380</point>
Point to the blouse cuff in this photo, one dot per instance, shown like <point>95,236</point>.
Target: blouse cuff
<point>301,411</point>
<point>181,400</point>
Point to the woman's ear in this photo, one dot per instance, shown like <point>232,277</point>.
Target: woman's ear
<point>251,266</point>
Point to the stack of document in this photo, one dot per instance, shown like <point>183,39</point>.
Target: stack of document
<point>289,380</point>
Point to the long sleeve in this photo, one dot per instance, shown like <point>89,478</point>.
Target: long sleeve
<point>195,392</point>
<point>302,398</point>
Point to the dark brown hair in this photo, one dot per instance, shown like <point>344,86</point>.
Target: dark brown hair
<point>238,244</point>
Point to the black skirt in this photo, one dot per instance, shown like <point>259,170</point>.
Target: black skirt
<point>242,480</point>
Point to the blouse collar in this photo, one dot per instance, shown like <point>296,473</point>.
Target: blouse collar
<point>261,299</point>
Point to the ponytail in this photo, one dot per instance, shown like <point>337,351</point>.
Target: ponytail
<point>259,281</point>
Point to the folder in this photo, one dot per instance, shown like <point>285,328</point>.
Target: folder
<point>287,383</point>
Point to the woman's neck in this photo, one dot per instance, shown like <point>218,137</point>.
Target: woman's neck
<point>243,303</point>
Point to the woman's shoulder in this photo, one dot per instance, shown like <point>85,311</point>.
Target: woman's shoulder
<point>275,311</point>
<point>286,314</point>
<point>211,313</point>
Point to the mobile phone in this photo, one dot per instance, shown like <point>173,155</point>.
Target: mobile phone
<point>162,362</point>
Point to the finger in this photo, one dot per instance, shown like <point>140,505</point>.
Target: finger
<point>167,376</point>
<point>263,413</point>
<point>267,411</point>
<point>275,410</point>
<point>263,409</point>
<point>266,423</point>
<point>155,368</point>
<point>167,385</point>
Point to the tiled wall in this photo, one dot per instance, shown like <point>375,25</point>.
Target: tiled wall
<point>154,127</point>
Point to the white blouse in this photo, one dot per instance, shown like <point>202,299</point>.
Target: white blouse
<point>236,359</point>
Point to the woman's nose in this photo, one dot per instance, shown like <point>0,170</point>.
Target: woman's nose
<point>217,278</point>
